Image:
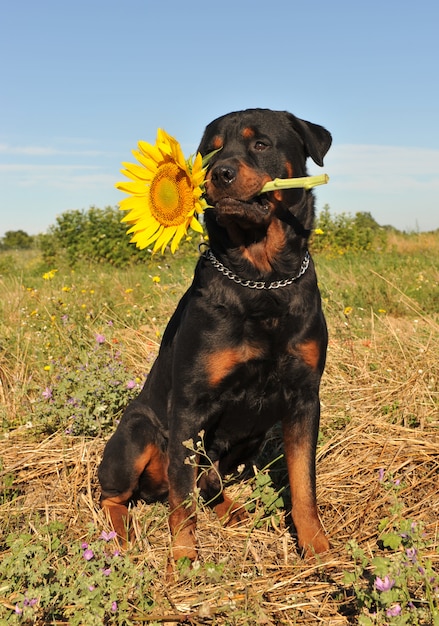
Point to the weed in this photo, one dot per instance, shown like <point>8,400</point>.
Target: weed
<point>90,582</point>
<point>86,397</point>
<point>400,586</point>
<point>8,490</point>
<point>266,501</point>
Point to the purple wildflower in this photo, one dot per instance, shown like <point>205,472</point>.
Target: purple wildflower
<point>91,588</point>
<point>99,338</point>
<point>383,584</point>
<point>394,611</point>
<point>131,384</point>
<point>47,393</point>
<point>84,545</point>
<point>381,474</point>
<point>411,554</point>
<point>114,607</point>
<point>106,571</point>
<point>88,554</point>
<point>108,536</point>
<point>18,610</point>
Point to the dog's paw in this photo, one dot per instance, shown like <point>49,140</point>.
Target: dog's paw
<point>231,513</point>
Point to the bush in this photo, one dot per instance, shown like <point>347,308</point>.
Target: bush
<point>341,233</point>
<point>16,240</point>
<point>96,235</point>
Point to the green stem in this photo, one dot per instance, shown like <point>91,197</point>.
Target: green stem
<point>306,182</point>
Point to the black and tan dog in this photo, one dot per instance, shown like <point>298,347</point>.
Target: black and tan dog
<point>245,347</point>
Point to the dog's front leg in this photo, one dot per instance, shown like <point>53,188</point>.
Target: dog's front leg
<point>300,438</point>
<point>182,502</point>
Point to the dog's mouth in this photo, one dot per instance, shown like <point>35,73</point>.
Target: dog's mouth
<point>256,211</point>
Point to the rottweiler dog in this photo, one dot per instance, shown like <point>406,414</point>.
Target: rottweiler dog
<point>245,348</point>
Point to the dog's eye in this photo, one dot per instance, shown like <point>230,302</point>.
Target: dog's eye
<point>259,146</point>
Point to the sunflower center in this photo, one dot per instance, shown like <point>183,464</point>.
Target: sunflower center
<point>170,195</point>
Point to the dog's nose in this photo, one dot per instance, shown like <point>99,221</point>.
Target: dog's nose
<point>223,175</point>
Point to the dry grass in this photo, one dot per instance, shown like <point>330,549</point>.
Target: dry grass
<point>409,244</point>
<point>379,396</point>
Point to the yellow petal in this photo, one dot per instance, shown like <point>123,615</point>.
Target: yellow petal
<point>133,202</point>
<point>177,238</point>
<point>165,238</point>
<point>147,163</point>
<point>152,152</point>
<point>143,239</point>
<point>135,172</point>
<point>137,215</point>
<point>195,225</point>
<point>136,188</point>
<point>146,231</point>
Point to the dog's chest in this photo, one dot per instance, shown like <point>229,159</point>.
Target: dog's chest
<point>256,353</point>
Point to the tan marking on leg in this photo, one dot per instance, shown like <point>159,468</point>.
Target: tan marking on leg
<point>182,524</point>
<point>310,533</point>
<point>155,463</point>
<point>230,512</point>
<point>117,510</point>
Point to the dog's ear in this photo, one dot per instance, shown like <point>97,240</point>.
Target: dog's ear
<point>317,140</point>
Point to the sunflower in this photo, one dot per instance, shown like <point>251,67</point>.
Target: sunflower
<point>165,193</point>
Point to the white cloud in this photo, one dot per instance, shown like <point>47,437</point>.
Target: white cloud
<point>44,151</point>
<point>398,185</point>
<point>54,176</point>
<point>385,168</point>
<point>31,167</point>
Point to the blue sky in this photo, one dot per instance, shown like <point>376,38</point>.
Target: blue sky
<point>83,81</point>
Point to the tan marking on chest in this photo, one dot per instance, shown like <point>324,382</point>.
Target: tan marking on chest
<point>263,253</point>
<point>309,352</point>
<point>222,362</point>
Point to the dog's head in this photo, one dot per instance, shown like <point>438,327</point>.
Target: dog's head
<point>253,147</point>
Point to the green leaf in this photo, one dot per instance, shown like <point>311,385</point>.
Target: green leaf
<point>391,540</point>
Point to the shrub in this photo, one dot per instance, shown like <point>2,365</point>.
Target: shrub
<point>96,235</point>
<point>400,586</point>
<point>86,397</point>
<point>16,240</point>
<point>341,233</point>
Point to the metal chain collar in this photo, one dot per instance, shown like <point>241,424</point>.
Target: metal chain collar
<point>255,284</point>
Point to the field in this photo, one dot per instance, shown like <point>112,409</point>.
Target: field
<point>76,345</point>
